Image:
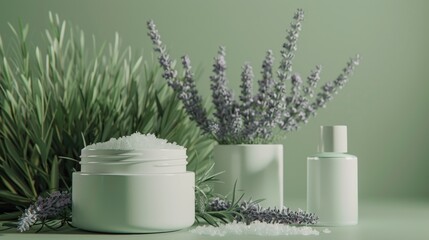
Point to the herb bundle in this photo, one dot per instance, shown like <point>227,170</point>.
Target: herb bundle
<point>50,211</point>
<point>249,212</point>
<point>255,118</point>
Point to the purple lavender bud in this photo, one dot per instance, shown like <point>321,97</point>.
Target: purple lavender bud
<point>347,71</point>
<point>192,102</point>
<point>218,204</point>
<point>246,85</point>
<point>223,99</point>
<point>266,83</point>
<point>331,88</point>
<point>249,212</point>
<point>50,207</point>
<point>164,59</point>
<point>296,80</point>
<point>290,46</point>
<point>257,116</point>
<point>186,91</point>
<point>296,87</point>
<point>312,81</point>
<point>265,102</point>
<point>246,97</point>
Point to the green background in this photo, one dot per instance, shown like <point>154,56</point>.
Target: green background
<point>385,105</point>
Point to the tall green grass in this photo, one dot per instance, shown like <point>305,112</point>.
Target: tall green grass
<point>57,98</point>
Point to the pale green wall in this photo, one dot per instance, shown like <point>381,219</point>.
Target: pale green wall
<point>386,104</point>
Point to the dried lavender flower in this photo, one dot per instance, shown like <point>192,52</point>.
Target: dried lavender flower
<point>249,212</point>
<point>330,88</point>
<point>218,204</point>
<point>290,46</point>
<point>164,59</point>
<point>247,111</point>
<point>267,81</point>
<point>186,90</point>
<point>191,100</point>
<point>226,109</point>
<point>312,81</point>
<point>246,86</point>
<point>265,104</point>
<point>295,104</point>
<point>255,118</point>
<point>51,207</point>
<point>27,219</point>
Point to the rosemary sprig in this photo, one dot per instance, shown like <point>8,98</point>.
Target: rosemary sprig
<point>57,97</point>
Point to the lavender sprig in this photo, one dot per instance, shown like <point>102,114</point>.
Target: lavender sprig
<point>52,207</point>
<point>264,100</point>
<point>192,101</point>
<point>301,110</point>
<point>295,103</point>
<point>331,88</point>
<point>257,116</point>
<point>226,109</point>
<point>186,90</point>
<point>290,46</point>
<point>164,58</point>
<point>250,212</point>
<point>285,112</point>
<point>267,81</point>
<point>250,123</point>
<point>312,81</point>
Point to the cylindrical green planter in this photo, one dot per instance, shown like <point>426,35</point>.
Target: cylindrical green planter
<point>257,169</point>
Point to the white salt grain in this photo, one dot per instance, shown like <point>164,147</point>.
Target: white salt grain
<point>326,230</point>
<point>134,142</point>
<point>256,228</point>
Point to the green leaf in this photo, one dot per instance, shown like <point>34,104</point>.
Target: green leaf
<point>209,219</point>
<point>9,216</point>
<point>159,106</point>
<point>54,177</point>
<point>8,185</point>
<point>16,178</point>
<point>12,198</point>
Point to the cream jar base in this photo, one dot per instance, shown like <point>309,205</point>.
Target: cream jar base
<point>133,203</point>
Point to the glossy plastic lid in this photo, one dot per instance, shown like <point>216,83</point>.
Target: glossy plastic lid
<point>333,139</point>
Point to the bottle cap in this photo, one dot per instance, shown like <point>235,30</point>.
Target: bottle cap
<point>333,139</point>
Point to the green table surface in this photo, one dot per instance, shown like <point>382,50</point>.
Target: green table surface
<point>378,219</point>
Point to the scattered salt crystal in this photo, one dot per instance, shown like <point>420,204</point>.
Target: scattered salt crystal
<point>326,230</point>
<point>256,228</point>
<point>135,141</point>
